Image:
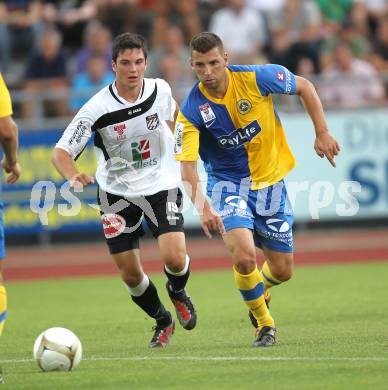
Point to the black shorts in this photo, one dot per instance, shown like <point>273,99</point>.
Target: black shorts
<point>123,218</point>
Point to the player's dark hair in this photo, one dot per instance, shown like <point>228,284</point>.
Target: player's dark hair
<point>128,41</point>
<point>206,41</point>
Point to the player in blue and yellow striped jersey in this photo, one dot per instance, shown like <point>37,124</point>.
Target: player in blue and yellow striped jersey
<point>229,120</point>
<point>9,144</point>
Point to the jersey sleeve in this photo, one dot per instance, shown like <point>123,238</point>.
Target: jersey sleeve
<point>169,108</point>
<point>274,78</point>
<point>186,140</point>
<point>77,134</point>
<point>5,99</point>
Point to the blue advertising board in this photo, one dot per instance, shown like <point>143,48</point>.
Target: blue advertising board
<point>39,179</point>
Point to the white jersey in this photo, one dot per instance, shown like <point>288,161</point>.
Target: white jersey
<point>133,143</point>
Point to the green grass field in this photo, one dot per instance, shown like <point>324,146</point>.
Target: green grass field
<point>332,334</point>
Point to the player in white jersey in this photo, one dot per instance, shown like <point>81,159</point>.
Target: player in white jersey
<point>138,179</point>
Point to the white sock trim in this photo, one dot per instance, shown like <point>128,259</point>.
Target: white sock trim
<point>140,288</point>
<point>180,273</point>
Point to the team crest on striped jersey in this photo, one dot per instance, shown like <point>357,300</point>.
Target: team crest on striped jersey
<point>152,121</point>
<point>244,106</point>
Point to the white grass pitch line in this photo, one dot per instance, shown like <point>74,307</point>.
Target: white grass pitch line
<point>219,358</point>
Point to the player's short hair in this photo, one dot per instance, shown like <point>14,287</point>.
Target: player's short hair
<point>128,41</point>
<point>206,41</point>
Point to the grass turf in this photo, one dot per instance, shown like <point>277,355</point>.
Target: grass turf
<point>331,320</point>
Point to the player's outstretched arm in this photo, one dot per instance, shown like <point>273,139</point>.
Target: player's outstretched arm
<point>210,219</point>
<point>9,143</point>
<point>65,166</point>
<point>325,144</point>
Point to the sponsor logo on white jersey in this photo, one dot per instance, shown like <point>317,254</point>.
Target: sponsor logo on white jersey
<point>134,111</point>
<point>79,132</point>
<point>141,154</point>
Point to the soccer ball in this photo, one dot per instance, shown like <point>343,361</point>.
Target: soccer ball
<point>57,349</point>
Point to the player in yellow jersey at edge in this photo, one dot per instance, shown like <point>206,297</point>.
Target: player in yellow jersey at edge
<point>9,144</point>
<point>229,120</point>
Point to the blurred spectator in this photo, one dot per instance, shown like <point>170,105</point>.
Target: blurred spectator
<point>85,85</point>
<point>171,61</point>
<point>183,14</point>
<point>242,30</point>
<point>159,28</point>
<point>358,44</point>
<point>296,34</point>
<point>46,71</point>
<point>376,10</point>
<point>380,47</point>
<point>172,71</point>
<point>19,27</point>
<point>172,44</point>
<point>70,17</point>
<point>334,12</point>
<point>269,9</point>
<point>97,39</point>
<point>305,68</point>
<point>350,82</point>
<point>118,16</point>
<point>300,34</point>
<point>205,10</point>
<point>379,58</point>
<point>359,18</point>
<point>187,17</point>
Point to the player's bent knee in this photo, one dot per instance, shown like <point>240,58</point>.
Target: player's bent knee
<point>175,262</point>
<point>245,263</point>
<point>282,266</point>
<point>288,270</point>
<point>286,274</point>
<point>131,280</point>
<point>283,272</point>
<point>130,277</point>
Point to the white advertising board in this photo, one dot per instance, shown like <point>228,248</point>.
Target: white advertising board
<point>356,188</point>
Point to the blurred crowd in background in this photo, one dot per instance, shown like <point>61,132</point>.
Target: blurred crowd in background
<point>61,50</point>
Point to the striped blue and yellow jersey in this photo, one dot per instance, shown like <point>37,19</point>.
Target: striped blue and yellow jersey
<point>240,135</point>
<point>5,99</point>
